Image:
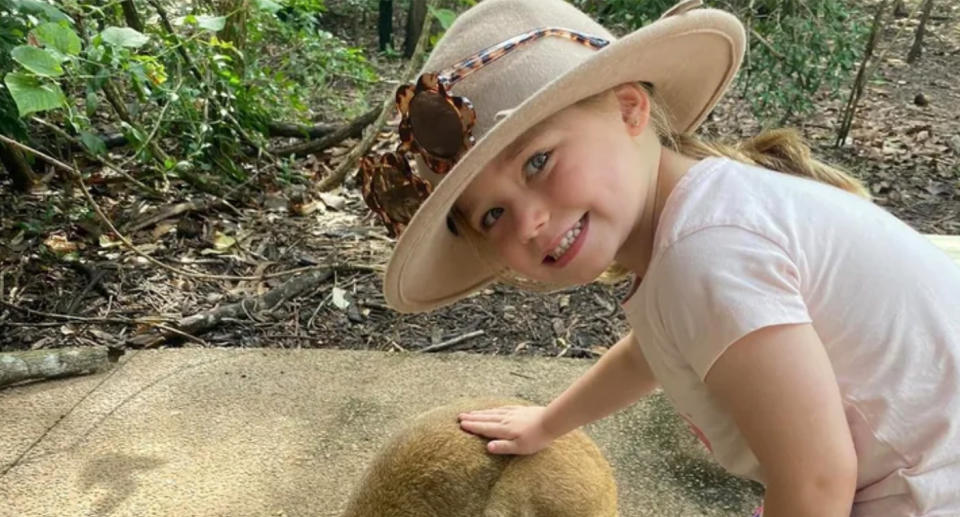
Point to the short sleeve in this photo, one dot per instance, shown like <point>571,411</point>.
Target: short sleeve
<point>719,284</point>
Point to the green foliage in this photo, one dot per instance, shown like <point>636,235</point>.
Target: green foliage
<point>318,67</point>
<point>444,16</point>
<point>624,15</point>
<point>12,31</point>
<point>56,36</point>
<point>123,37</point>
<point>32,94</point>
<point>814,46</point>
<point>797,48</point>
<point>275,66</point>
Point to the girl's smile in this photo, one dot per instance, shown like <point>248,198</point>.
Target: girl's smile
<point>568,244</point>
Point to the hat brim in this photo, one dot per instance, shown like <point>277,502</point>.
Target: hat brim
<point>691,59</point>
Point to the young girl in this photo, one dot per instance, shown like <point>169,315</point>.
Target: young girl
<point>811,340</point>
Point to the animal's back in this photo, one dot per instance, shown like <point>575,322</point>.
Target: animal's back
<point>432,468</point>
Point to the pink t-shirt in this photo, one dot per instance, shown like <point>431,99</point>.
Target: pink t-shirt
<point>739,248</point>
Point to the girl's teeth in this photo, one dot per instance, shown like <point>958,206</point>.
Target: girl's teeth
<point>567,240</point>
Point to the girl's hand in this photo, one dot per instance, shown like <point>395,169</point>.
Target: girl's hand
<point>512,429</point>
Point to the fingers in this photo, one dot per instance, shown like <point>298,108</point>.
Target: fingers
<point>488,414</point>
<point>487,429</point>
<point>481,417</point>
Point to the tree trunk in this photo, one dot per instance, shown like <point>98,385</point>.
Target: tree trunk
<point>385,24</point>
<point>131,15</point>
<point>862,76</point>
<point>17,166</point>
<point>418,11</point>
<point>917,49</point>
<point>900,9</point>
<point>235,30</point>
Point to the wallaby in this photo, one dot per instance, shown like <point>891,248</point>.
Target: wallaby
<point>432,468</point>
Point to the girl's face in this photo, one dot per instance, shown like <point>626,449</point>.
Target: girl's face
<point>562,200</point>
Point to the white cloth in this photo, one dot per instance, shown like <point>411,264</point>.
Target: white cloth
<point>739,248</point>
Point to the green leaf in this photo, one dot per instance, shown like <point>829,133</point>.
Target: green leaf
<point>124,37</point>
<point>42,10</point>
<point>32,95</point>
<point>93,143</point>
<point>37,61</point>
<point>269,5</point>
<point>445,16</point>
<point>60,37</point>
<point>212,23</point>
<point>91,103</point>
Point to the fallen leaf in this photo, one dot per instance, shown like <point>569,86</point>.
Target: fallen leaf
<point>60,245</point>
<point>222,241</point>
<point>306,208</point>
<point>107,242</point>
<point>162,229</point>
<point>333,201</point>
<point>340,298</point>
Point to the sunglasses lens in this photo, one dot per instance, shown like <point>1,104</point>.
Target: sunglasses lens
<point>436,124</point>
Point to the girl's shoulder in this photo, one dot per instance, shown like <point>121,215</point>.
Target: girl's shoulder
<point>722,192</point>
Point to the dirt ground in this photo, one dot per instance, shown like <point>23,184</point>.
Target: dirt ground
<point>908,154</point>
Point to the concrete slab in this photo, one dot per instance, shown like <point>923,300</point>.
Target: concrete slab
<point>949,244</point>
<point>287,433</point>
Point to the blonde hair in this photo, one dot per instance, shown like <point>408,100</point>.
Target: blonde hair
<point>781,150</point>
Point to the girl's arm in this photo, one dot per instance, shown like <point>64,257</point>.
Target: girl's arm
<point>780,388</point>
<point>618,379</point>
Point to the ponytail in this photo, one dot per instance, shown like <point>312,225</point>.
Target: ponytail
<point>781,150</point>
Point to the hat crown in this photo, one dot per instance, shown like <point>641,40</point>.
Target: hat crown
<point>502,85</point>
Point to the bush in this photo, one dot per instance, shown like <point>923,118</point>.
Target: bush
<point>797,47</point>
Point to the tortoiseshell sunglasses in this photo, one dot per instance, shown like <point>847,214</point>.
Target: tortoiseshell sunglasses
<point>438,127</point>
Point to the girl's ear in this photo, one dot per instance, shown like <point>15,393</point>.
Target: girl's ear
<point>634,107</point>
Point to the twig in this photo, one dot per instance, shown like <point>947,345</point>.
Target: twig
<point>128,321</point>
<point>205,321</point>
<point>106,220</point>
<point>450,342</point>
<point>94,276</point>
<point>108,163</point>
<point>766,43</point>
<point>336,178</point>
<point>166,213</point>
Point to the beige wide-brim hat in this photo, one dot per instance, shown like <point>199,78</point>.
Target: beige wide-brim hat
<point>690,55</point>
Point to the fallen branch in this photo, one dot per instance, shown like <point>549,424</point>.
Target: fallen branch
<point>51,364</point>
<point>167,212</point>
<point>352,129</point>
<point>248,307</point>
<point>316,131</point>
<point>350,163</point>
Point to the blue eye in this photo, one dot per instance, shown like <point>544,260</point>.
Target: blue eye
<point>491,217</point>
<point>535,164</point>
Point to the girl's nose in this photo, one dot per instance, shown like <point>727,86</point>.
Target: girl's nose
<point>532,218</point>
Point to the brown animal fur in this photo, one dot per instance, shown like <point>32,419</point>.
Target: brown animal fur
<point>432,468</point>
